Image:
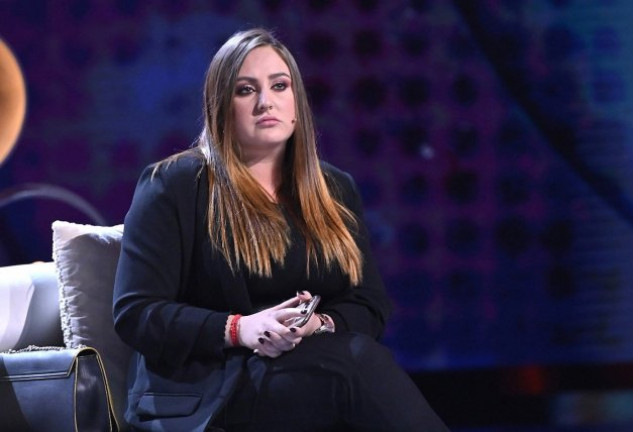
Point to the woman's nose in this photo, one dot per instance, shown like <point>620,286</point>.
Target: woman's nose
<point>263,102</point>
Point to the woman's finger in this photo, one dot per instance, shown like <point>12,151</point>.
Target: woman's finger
<point>291,302</point>
<point>283,343</point>
<point>277,331</point>
<point>283,315</point>
<point>268,349</point>
<point>304,296</point>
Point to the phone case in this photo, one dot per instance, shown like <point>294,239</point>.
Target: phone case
<point>309,307</point>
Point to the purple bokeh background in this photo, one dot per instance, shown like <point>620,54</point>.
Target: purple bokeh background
<point>490,139</point>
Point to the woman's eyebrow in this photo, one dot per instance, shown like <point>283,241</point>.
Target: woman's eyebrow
<point>270,77</point>
<point>278,74</point>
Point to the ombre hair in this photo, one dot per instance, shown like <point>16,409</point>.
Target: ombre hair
<point>244,224</point>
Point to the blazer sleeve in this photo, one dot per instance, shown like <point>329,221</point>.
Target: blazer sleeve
<point>153,271</point>
<point>364,308</point>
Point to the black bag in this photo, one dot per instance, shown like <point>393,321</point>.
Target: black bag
<point>50,388</point>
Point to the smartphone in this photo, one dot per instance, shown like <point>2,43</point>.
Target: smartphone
<point>309,307</point>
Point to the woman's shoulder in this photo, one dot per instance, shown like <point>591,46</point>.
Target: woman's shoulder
<point>186,163</point>
<point>334,174</point>
<point>180,168</point>
<point>174,175</point>
<point>341,183</point>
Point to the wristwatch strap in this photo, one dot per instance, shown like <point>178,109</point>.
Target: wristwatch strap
<point>327,324</point>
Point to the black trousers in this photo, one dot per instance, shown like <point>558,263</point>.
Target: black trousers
<point>329,382</point>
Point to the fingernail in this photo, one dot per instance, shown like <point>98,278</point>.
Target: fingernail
<point>292,329</point>
<point>301,292</point>
<point>267,333</point>
<point>261,340</point>
<point>304,311</point>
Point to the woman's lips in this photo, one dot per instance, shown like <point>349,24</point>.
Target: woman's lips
<point>267,121</point>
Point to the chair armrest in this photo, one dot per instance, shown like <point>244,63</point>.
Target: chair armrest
<point>29,306</point>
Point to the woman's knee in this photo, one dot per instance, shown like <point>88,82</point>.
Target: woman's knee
<point>364,347</point>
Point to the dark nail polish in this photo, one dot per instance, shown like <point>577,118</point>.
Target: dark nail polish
<point>267,333</point>
<point>292,329</point>
<point>261,340</point>
<point>304,311</point>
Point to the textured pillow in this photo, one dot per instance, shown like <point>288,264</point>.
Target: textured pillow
<point>86,258</point>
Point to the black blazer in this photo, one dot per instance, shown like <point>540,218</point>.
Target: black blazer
<point>173,294</point>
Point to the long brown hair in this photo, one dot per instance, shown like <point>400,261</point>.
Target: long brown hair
<point>244,224</point>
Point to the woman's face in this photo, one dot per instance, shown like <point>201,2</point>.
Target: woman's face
<point>263,104</point>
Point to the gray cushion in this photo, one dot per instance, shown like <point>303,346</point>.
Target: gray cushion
<point>86,258</point>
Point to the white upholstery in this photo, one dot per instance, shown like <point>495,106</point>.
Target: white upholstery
<point>29,306</point>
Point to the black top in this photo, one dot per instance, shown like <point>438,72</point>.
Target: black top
<point>293,275</point>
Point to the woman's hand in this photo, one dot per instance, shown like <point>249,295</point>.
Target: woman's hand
<point>313,323</point>
<point>265,333</point>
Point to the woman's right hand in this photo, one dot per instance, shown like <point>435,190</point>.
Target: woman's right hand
<point>265,333</point>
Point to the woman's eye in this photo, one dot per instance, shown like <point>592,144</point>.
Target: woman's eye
<point>244,90</point>
<point>280,86</point>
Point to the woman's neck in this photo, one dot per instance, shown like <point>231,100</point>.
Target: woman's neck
<point>267,172</point>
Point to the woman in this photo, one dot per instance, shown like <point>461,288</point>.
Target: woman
<point>222,243</point>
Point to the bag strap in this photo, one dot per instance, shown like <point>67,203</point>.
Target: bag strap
<point>34,348</point>
<point>86,350</point>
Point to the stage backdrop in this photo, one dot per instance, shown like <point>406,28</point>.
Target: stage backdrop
<point>491,141</point>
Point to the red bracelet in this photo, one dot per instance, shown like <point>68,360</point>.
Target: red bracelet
<point>233,330</point>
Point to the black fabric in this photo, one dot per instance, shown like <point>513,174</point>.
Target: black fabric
<point>174,292</point>
<point>330,382</point>
<point>291,276</point>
